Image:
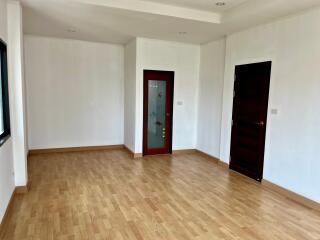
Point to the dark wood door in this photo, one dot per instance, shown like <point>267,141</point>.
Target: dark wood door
<point>249,120</point>
<point>158,108</point>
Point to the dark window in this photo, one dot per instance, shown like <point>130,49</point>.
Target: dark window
<point>4,95</point>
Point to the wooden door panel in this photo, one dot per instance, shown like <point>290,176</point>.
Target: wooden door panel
<point>158,109</point>
<point>250,108</point>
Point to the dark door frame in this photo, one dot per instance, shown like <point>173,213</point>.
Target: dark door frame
<point>165,76</point>
<point>261,148</point>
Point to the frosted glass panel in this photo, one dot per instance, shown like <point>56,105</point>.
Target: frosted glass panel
<point>156,114</point>
<point>1,106</point>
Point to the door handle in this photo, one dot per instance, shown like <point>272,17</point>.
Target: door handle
<point>261,123</point>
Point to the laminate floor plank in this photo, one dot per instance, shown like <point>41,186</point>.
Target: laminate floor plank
<point>105,194</point>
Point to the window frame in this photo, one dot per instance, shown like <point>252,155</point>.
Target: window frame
<point>5,92</point>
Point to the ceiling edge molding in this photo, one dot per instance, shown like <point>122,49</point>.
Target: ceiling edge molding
<point>156,8</point>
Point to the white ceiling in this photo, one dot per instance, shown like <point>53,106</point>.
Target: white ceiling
<point>118,21</point>
<point>208,5</point>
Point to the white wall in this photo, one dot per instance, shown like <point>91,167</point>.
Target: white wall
<point>17,92</point>
<point>292,144</point>
<point>210,97</point>
<point>184,60</point>
<point>74,93</point>
<point>130,94</point>
<point>6,155</point>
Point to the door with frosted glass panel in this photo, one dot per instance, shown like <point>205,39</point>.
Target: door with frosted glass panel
<point>158,105</point>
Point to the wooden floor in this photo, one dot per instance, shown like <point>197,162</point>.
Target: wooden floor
<point>107,195</point>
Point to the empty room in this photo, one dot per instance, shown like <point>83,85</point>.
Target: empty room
<point>159,120</point>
